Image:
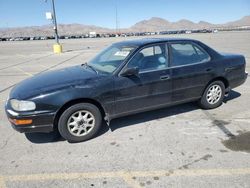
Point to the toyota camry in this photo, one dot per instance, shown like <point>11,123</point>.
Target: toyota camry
<point>126,78</point>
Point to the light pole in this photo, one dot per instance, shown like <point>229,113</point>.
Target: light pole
<point>57,47</point>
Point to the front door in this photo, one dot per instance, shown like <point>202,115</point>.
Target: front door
<point>151,88</point>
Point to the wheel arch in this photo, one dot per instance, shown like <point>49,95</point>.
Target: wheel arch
<point>76,101</point>
<point>219,78</point>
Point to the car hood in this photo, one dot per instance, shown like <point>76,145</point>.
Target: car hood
<point>53,81</point>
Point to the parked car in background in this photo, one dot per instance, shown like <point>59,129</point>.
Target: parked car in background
<point>126,78</point>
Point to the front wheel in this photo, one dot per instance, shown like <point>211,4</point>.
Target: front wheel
<point>80,122</point>
<point>213,95</point>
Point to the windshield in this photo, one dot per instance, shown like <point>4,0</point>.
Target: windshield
<point>111,58</point>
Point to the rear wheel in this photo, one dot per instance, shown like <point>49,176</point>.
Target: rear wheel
<point>80,122</point>
<point>213,95</point>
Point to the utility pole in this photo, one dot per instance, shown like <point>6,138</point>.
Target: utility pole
<point>54,22</point>
<point>116,20</point>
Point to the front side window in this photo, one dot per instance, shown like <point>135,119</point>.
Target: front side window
<point>111,58</point>
<point>150,58</point>
<point>187,53</point>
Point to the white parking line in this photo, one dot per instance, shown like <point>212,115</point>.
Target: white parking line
<point>27,73</point>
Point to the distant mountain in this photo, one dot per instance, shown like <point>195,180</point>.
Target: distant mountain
<point>47,30</point>
<point>159,24</point>
<point>152,25</point>
<point>79,29</point>
<point>245,21</point>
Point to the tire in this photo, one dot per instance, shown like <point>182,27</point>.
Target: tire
<point>213,95</point>
<point>80,122</point>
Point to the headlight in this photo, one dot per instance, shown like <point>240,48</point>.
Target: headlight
<point>22,105</point>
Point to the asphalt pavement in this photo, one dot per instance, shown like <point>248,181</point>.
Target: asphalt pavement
<point>181,146</point>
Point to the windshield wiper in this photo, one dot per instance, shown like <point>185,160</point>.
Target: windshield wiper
<point>91,67</point>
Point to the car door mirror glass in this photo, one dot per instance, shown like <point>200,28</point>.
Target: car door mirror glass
<point>133,71</point>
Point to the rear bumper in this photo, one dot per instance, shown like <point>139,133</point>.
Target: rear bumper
<point>41,122</point>
<point>238,81</point>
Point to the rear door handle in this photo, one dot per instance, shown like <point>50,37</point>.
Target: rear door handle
<point>165,77</point>
<point>209,69</point>
<point>230,68</point>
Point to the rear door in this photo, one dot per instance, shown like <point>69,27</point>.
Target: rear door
<point>191,70</point>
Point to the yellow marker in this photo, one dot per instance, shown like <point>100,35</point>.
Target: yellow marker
<point>127,176</point>
<point>129,180</point>
<point>2,182</point>
<point>57,48</point>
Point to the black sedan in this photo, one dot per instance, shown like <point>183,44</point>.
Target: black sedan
<point>126,78</point>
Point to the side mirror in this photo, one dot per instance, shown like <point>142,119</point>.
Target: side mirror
<point>133,71</point>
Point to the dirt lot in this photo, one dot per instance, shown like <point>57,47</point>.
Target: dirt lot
<point>181,146</point>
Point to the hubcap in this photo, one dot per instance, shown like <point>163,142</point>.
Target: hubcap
<point>214,94</point>
<point>81,123</point>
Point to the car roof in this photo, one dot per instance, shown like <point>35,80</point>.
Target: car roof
<point>147,41</point>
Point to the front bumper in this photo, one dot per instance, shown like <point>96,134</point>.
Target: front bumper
<point>41,121</point>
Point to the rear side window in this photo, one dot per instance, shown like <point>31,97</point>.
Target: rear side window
<point>187,53</point>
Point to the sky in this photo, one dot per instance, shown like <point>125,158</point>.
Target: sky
<point>17,13</point>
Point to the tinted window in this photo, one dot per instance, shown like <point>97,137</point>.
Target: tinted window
<point>185,53</point>
<point>150,58</point>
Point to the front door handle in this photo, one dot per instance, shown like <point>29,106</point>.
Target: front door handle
<point>165,77</point>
